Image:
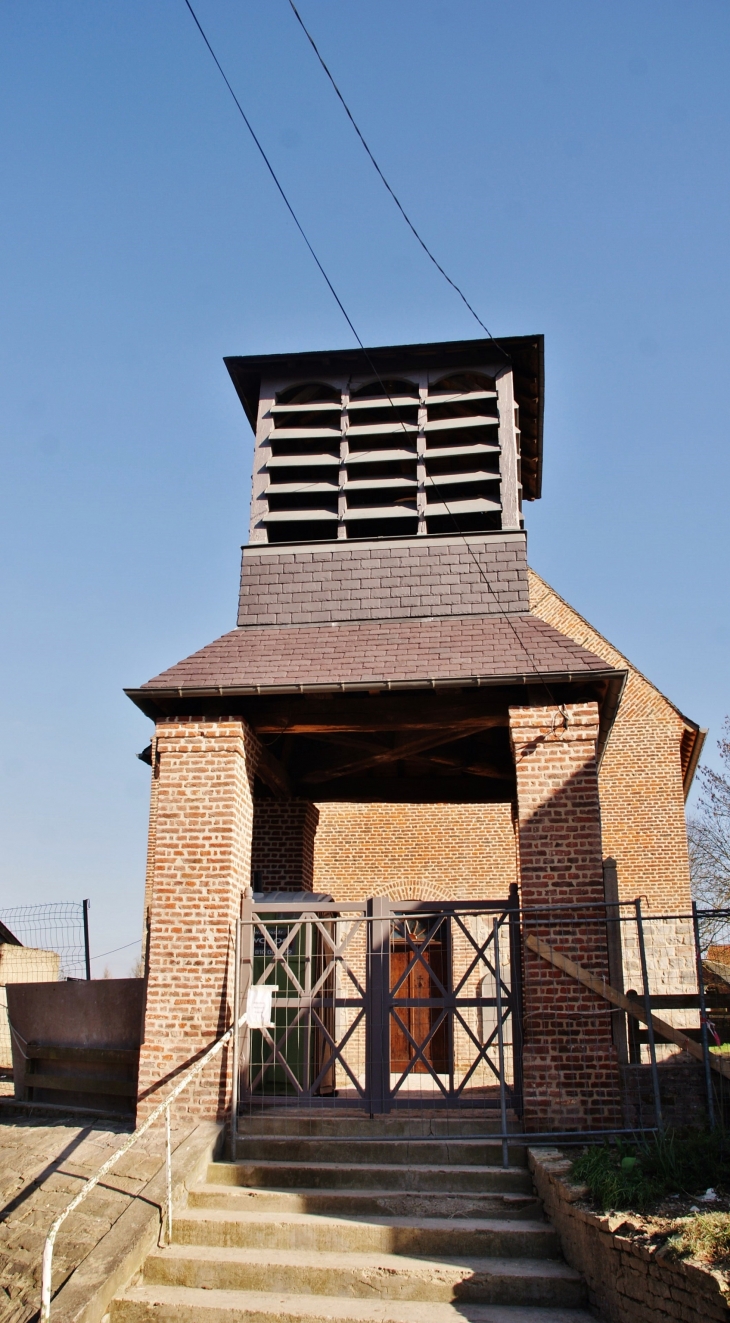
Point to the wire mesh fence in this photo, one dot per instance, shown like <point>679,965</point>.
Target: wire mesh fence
<point>40,944</point>
<point>60,928</point>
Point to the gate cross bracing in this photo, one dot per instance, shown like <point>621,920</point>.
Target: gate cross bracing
<point>382,1004</point>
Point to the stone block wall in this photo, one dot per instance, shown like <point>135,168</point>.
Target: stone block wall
<point>627,1281</point>
<point>199,865</point>
<point>569,1060</point>
<point>671,966</point>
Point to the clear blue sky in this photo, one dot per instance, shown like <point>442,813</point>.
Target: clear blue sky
<point>568,161</point>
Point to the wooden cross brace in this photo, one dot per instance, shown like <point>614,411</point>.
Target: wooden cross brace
<point>634,1008</point>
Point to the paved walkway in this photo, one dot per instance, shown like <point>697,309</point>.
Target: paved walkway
<point>44,1159</point>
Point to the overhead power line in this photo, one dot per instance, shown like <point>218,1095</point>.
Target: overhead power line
<point>393,194</point>
<point>274,176</point>
<point>114,949</point>
<point>343,310</point>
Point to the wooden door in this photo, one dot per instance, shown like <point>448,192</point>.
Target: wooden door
<point>419,984</point>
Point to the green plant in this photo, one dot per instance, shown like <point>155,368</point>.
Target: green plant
<point>633,1176</point>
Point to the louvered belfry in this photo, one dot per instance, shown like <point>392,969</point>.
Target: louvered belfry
<point>398,712</point>
<point>417,440</point>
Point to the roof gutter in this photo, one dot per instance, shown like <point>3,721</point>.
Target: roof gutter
<point>368,686</point>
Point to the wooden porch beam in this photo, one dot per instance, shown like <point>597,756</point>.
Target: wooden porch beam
<point>628,1004</point>
<point>347,740</point>
<point>393,715</point>
<point>468,769</point>
<point>274,775</point>
<point>400,751</point>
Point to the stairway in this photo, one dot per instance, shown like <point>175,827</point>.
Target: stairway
<point>342,1218</point>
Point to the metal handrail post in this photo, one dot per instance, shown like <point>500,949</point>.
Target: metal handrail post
<point>168,1159</point>
<point>377,1022</point>
<point>235,1068</point>
<point>515,964</point>
<point>649,1021</point>
<point>703,1018</point>
<point>87,953</point>
<point>246,981</point>
<point>500,1045</point>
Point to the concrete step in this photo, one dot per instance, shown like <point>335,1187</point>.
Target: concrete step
<point>406,1124</point>
<point>473,1237</point>
<point>440,1151</point>
<point>174,1304</point>
<point>366,1203</point>
<point>454,1178</point>
<point>485,1280</point>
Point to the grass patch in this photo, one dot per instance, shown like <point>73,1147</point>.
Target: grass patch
<point>633,1176</point>
<point>705,1237</point>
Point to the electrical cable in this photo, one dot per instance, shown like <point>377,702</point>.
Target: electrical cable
<point>438,266</point>
<point>101,954</point>
<point>346,315</point>
<point>273,174</point>
<point>392,192</point>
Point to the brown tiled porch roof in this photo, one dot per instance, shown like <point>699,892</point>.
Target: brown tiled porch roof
<point>394,652</point>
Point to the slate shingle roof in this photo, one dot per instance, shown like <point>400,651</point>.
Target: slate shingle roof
<point>444,648</point>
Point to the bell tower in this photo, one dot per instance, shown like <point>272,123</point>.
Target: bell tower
<point>414,441</point>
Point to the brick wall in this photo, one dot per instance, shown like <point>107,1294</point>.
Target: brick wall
<point>569,1062</point>
<point>282,850</point>
<point>151,842</point>
<point>415,851</point>
<point>201,862</point>
<point>383,581</point>
<point>627,1280</point>
<point>642,798</point>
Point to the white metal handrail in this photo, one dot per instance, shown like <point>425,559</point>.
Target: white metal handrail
<point>164,1106</point>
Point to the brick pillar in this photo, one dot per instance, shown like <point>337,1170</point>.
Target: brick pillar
<point>283,844</point>
<point>570,1071</point>
<point>201,861</point>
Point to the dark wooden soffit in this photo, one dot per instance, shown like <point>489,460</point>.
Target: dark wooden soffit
<point>524,353</point>
<point>403,749</point>
<point>339,744</point>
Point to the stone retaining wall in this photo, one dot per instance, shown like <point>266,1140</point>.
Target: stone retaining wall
<point>627,1282</point>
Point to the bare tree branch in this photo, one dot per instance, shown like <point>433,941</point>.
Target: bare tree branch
<point>708,834</point>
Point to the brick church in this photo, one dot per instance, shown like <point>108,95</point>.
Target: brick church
<point>404,709</point>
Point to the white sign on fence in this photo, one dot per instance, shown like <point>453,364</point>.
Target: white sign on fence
<point>258,1006</point>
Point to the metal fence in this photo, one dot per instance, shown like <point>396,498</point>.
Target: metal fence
<point>381,1006</point>
<point>664,989</point>
<point>40,944</point>
<point>34,932</point>
<point>385,1005</point>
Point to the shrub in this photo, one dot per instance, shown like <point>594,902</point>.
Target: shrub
<point>633,1176</point>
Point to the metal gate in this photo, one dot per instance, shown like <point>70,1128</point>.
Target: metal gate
<point>382,1004</point>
